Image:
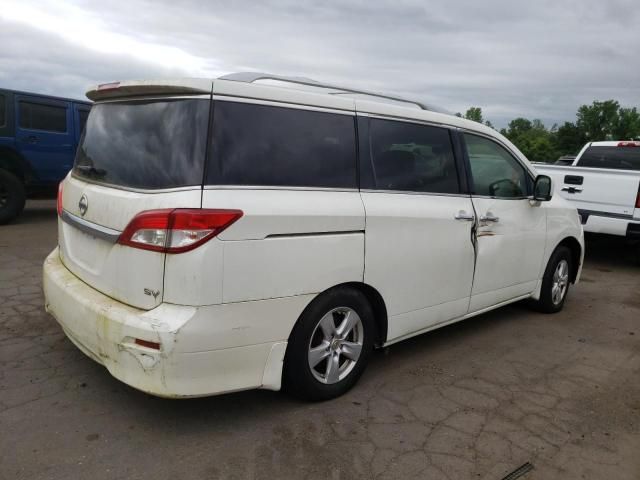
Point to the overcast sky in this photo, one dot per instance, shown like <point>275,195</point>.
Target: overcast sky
<point>537,59</point>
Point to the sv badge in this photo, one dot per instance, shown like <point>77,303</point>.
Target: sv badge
<point>152,293</point>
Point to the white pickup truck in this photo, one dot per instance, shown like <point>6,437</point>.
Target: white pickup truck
<point>603,182</point>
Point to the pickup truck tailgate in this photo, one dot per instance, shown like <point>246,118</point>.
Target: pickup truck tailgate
<point>596,189</point>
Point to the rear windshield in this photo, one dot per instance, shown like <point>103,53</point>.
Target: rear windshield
<point>621,158</point>
<point>148,144</point>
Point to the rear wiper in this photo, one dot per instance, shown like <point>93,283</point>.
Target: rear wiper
<point>92,171</point>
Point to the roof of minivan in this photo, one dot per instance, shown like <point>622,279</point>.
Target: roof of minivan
<point>294,90</point>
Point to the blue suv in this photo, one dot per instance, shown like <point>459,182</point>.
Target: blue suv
<point>38,139</point>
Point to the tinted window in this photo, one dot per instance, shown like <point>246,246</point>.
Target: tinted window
<point>3,107</point>
<point>496,173</point>
<point>275,146</point>
<point>621,158</point>
<point>412,157</point>
<point>82,118</point>
<point>37,116</point>
<point>145,144</point>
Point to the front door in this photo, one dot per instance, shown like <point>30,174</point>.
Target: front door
<point>418,244</point>
<point>510,229</point>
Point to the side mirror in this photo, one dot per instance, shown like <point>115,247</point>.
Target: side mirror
<point>542,188</point>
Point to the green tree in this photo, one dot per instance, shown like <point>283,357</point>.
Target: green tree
<point>602,120</point>
<point>628,124</point>
<point>518,127</point>
<point>569,139</point>
<point>599,120</point>
<point>475,114</point>
<point>542,149</point>
<point>532,138</point>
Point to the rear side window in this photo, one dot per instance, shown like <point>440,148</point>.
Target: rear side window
<point>620,158</point>
<point>276,146</point>
<point>412,157</point>
<point>146,144</point>
<point>3,110</point>
<point>495,172</point>
<point>38,116</point>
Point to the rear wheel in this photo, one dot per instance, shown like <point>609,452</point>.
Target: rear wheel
<point>330,345</point>
<point>12,196</point>
<point>556,281</point>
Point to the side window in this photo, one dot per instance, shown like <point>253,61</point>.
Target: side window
<point>412,157</point>
<point>38,116</point>
<point>3,110</point>
<point>277,146</point>
<point>495,172</point>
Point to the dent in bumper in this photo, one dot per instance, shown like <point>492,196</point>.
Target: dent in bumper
<point>105,330</point>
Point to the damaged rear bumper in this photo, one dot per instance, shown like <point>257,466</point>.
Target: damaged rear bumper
<point>106,330</point>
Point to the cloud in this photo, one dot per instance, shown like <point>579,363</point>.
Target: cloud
<point>538,60</point>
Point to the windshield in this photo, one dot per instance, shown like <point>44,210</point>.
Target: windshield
<point>147,144</point>
<point>620,158</point>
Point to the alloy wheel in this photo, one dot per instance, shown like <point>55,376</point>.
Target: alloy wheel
<point>335,345</point>
<point>560,282</point>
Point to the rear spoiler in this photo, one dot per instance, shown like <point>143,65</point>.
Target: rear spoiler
<point>149,87</point>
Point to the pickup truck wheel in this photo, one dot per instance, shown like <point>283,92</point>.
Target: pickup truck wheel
<point>556,281</point>
<point>330,345</point>
<point>12,196</point>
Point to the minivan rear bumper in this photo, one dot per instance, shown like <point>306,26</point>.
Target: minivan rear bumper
<point>184,366</point>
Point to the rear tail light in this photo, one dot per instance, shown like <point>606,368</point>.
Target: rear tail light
<point>630,143</point>
<point>638,198</point>
<point>176,230</point>
<point>59,201</point>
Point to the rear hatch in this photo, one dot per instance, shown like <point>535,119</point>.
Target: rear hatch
<point>135,155</point>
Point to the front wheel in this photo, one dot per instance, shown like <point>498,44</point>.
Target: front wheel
<point>330,345</point>
<point>556,281</point>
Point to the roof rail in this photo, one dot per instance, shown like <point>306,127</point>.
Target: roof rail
<point>250,77</point>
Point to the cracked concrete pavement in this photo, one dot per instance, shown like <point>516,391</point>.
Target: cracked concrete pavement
<point>471,401</point>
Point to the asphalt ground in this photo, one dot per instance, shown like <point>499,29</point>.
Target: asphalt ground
<point>474,400</point>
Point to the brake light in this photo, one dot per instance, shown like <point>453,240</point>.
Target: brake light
<point>638,198</point>
<point>176,230</point>
<point>630,143</point>
<point>59,200</point>
<point>108,86</point>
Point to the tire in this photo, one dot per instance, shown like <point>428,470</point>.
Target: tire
<point>12,196</point>
<point>321,361</point>
<point>555,282</point>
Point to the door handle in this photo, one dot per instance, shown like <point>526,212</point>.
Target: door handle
<point>464,216</point>
<point>489,217</point>
<point>30,139</point>
<point>572,190</point>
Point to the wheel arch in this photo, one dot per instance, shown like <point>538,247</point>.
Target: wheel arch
<point>375,300</point>
<point>576,254</point>
<point>379,309</point>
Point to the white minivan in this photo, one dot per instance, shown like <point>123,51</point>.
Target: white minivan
<point>258,231</point>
